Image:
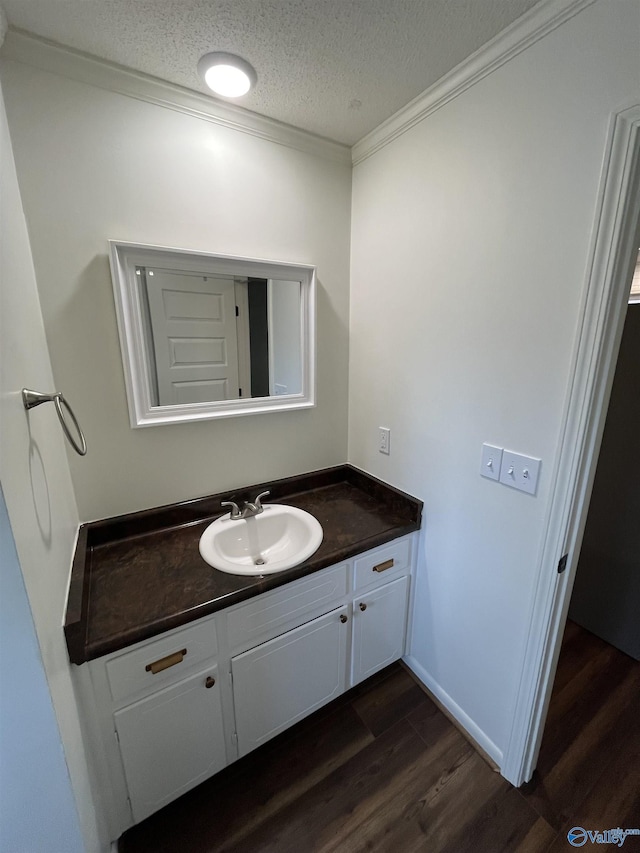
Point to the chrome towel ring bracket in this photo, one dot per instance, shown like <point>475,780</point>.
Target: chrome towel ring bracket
<point>35,398</point>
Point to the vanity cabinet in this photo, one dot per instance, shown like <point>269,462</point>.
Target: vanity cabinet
<point>167,713</point>
<point>158,709</point>
<point>380,608</point>
<point>280,682</point>
<point>379,628</point>
<point>171,741</point>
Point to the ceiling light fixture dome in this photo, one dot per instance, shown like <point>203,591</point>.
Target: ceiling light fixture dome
<point>226,74</point>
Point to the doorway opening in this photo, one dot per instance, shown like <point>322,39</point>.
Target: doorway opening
<point>606,592</point>
<point>589,761</point>
<point>611,263</point>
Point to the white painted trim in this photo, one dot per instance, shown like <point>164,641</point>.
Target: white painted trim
<point>56,59</point>
<point>614,246</point>
<point>124,257</point>
<point>526,31</point>
<point>48,56</point>
<point>242,326</point>
<point>478,735</point>
<point>270,353</point>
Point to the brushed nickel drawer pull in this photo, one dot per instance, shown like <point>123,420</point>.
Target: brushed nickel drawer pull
<point>164,663</point>
<point>382,567</point>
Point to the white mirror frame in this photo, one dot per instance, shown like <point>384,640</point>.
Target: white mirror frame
<point>125,256</point>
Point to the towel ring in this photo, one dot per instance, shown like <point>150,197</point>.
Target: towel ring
<point>35,398</point>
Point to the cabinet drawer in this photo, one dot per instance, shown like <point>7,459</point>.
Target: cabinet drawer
<point>376,566</point>
<point>162,661</point>
<point>274,612</point>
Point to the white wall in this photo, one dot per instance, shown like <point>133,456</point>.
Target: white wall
<point>470,237</point>
<point>44,518</point>
<point>33,765</point>
<point>285,336</point>
<point>95,165</point>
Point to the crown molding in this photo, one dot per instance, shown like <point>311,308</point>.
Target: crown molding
<point>48,56</point>
<point>45,55</point>
<point>541,20</point>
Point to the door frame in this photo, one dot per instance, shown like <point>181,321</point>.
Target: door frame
<point>613,251</point>
<point>243,336</point>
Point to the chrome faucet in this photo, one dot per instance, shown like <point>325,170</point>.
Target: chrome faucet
<point>249,509</point>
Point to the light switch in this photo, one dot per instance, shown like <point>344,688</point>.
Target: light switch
<point>491,459</point>
<point>520,472</point>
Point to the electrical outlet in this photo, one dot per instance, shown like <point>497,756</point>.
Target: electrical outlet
<point>491,460</point>
<point>384,440</point>
<point>520,472</point>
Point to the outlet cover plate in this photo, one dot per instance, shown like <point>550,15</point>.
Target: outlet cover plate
<point>491,459</point>
<point>384,440</point>
<point>519,471</point>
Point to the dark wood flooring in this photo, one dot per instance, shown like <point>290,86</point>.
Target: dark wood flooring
<point>383,769</point>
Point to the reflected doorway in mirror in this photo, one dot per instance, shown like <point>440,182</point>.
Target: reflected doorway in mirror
<point>205,336</point>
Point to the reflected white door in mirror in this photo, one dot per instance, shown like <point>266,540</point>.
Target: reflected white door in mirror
<point>205,336</point>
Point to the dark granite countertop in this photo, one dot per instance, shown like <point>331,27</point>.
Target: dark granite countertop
<point>138,575</point>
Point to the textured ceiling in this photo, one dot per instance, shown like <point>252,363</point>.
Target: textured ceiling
<point>337,68</point>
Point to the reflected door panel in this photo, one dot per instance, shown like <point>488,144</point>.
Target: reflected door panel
<point>193,325</point>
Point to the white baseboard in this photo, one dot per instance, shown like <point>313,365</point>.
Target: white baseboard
<point>472,729</point>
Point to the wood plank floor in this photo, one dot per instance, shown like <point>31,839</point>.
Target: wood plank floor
<point>383,769</point>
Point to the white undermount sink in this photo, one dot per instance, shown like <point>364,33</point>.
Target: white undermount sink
<point>279,538</point>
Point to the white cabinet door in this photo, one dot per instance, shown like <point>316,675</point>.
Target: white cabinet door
<point>280,682</point>
<point>379,628</point>
<point>193,319</point>
<point>171,741</point>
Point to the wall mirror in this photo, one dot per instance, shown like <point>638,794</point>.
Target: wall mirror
<point>208,336</point>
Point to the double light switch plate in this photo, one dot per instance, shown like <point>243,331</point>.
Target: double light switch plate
<point>513,469</point>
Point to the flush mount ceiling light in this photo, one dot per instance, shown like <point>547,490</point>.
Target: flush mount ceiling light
<point>226,74</point>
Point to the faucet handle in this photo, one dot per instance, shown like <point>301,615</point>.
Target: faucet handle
<point>257,503</point>
<point>235,509</point>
